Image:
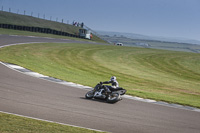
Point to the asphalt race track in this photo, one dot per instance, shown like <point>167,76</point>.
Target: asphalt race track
<point>29,96</point>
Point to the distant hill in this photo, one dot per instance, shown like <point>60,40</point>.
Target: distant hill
<point>144,37</point>
<point>136,40</point>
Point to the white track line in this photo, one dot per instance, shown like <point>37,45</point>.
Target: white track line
<point>51,121</point>
<point>37,75</point>
<point>19,44</point>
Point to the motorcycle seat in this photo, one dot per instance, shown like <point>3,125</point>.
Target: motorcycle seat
<point>119,88</point>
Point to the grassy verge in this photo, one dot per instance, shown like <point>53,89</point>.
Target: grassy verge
<point>156,74</point>
<point>16,124</point>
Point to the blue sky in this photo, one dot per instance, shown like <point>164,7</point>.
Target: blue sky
<point>167,18</point>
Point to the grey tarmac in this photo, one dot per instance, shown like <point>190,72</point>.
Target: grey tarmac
<point>30,96</point>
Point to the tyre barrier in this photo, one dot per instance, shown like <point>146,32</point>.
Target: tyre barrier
<point>38,29</point>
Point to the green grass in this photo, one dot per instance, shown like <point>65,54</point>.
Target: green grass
<point>16,124</point>
<point>156,74</point>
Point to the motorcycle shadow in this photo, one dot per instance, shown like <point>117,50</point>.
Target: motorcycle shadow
<point>96,100</point>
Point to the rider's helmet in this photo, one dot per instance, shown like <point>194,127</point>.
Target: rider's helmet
<point>113,78</point>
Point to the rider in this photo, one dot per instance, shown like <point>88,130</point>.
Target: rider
<point>114,82</point>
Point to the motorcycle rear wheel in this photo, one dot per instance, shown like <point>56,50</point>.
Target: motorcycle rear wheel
<point>113,98</point>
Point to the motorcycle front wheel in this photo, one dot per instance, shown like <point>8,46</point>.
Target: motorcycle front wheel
<point>89,95</point>
<point>113,98</point>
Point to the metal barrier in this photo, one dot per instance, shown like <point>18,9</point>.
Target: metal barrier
<point>38,29</point>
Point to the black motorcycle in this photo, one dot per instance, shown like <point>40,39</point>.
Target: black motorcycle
<point>99,92</point>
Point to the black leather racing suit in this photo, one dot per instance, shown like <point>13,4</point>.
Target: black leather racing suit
<point>114,83</point>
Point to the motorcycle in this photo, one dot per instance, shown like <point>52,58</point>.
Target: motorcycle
<point>99,92</point>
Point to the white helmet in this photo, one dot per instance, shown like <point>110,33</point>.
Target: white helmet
<point>113,78</point>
